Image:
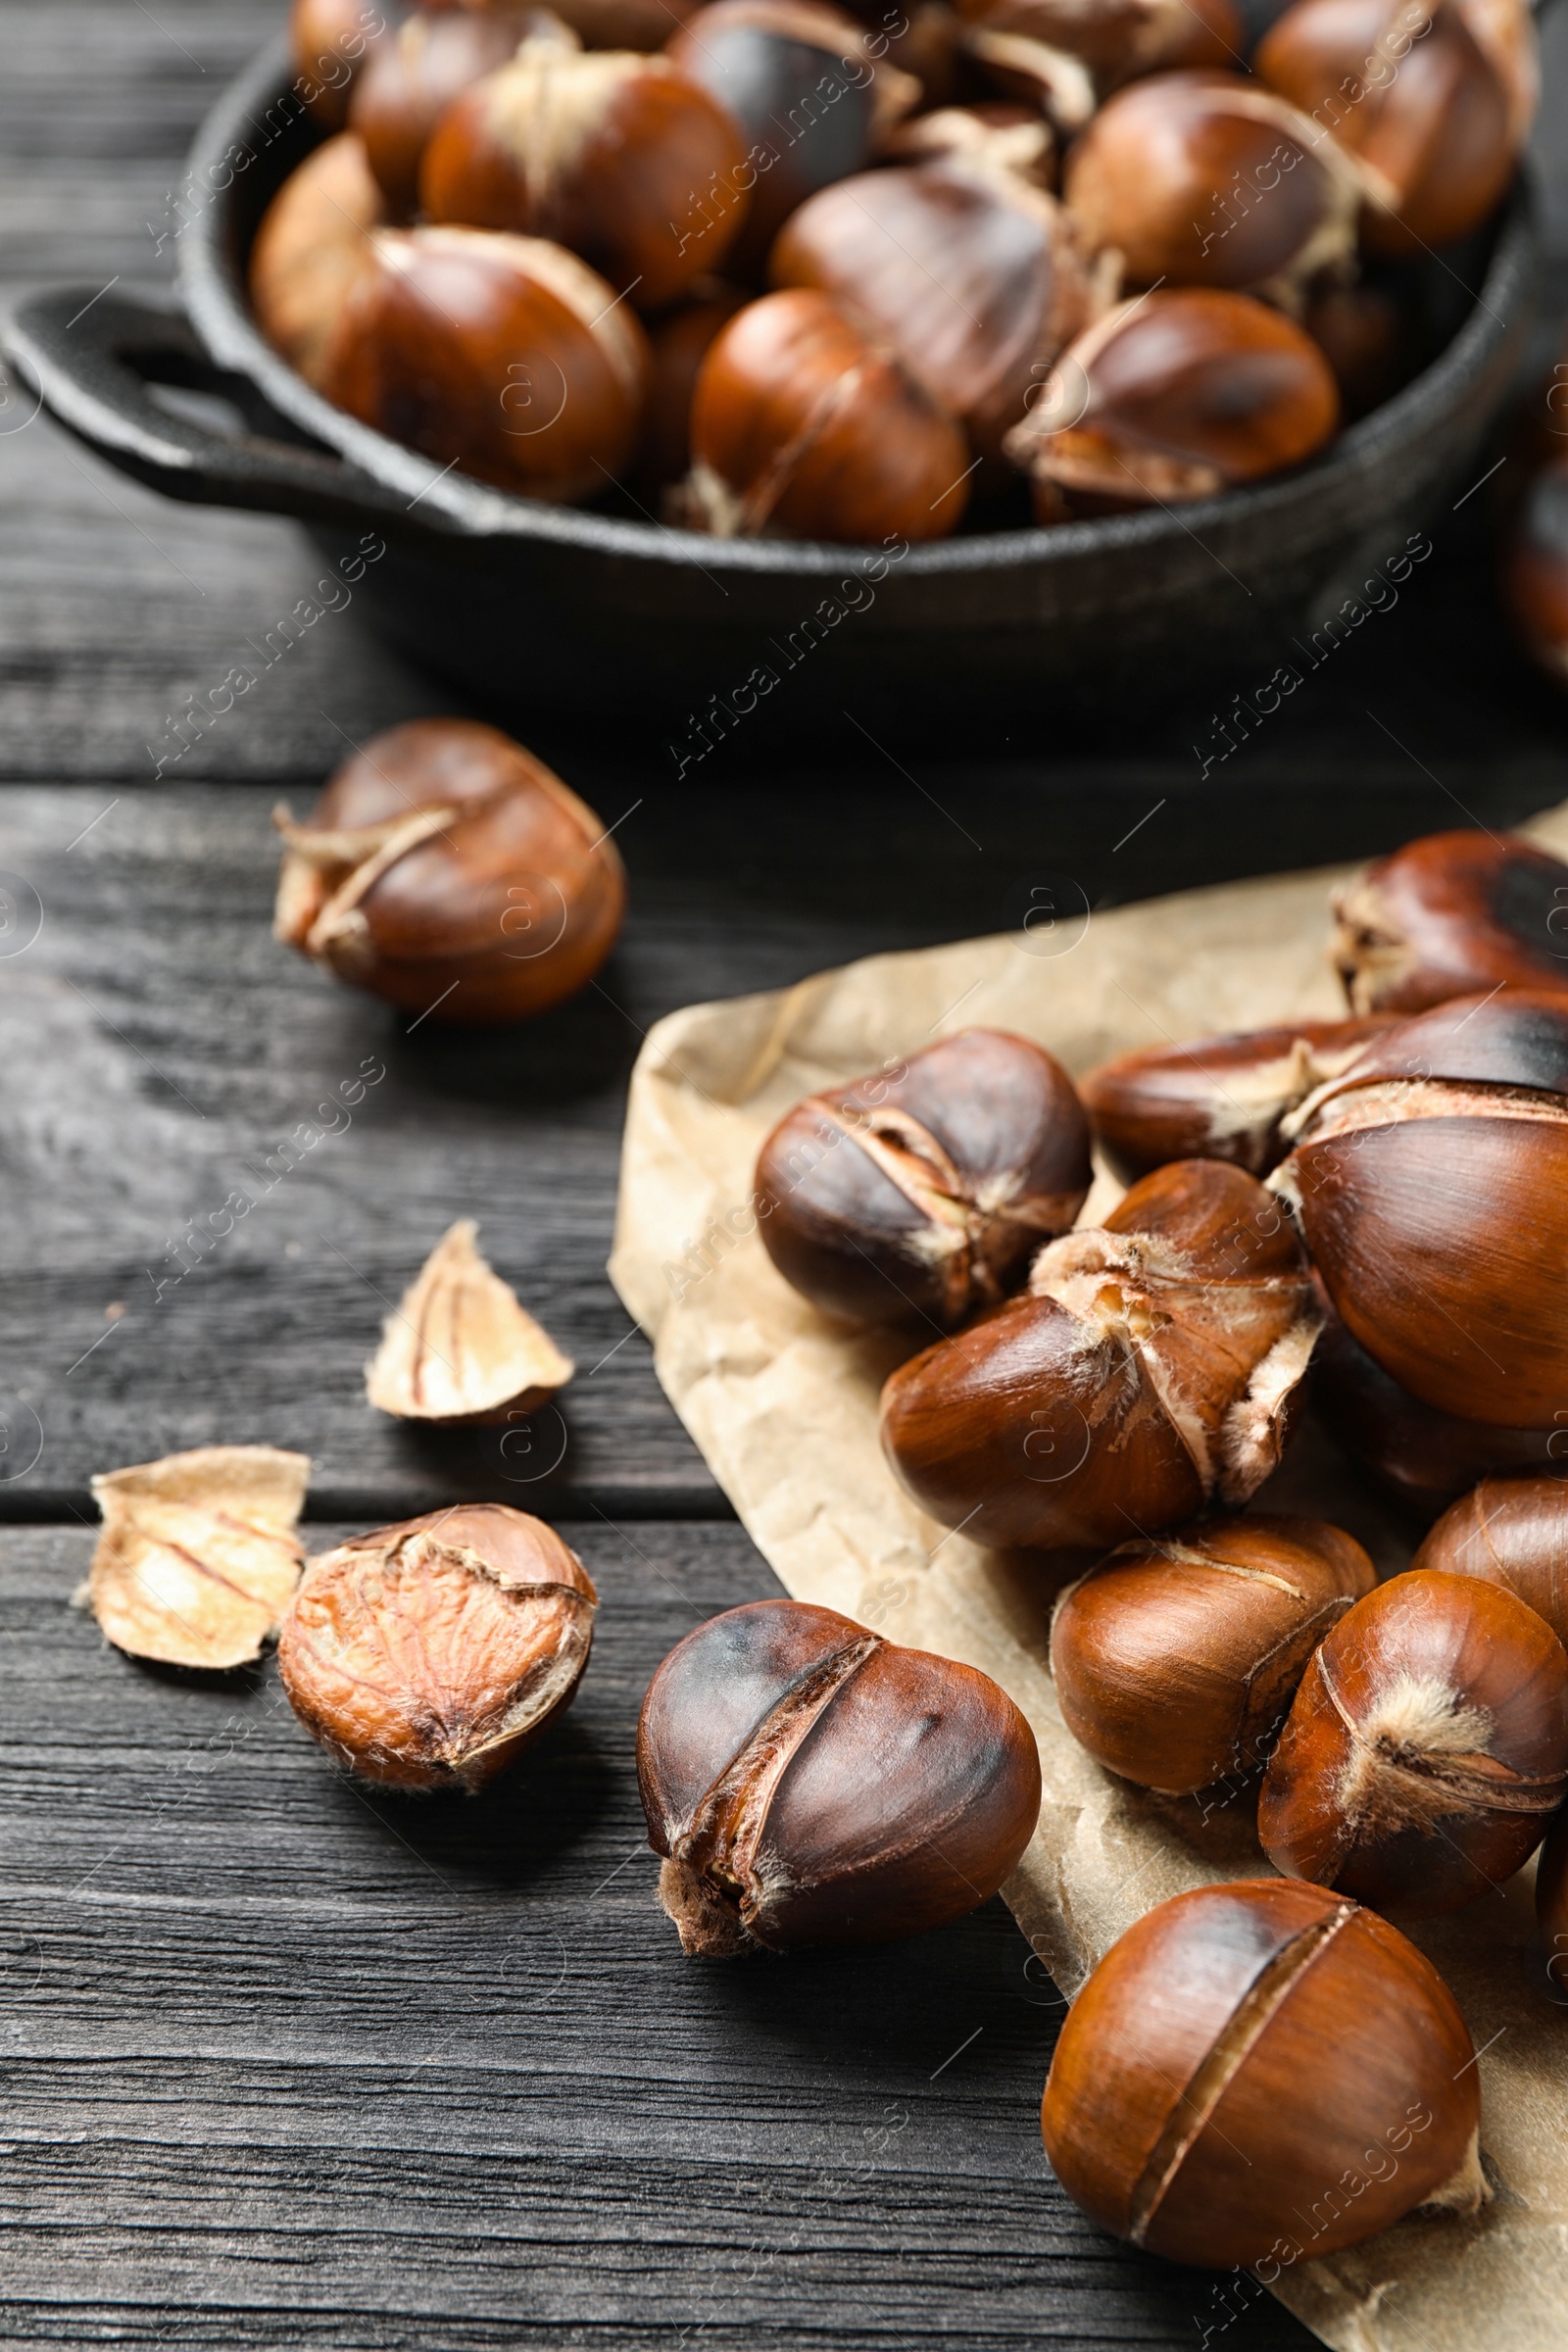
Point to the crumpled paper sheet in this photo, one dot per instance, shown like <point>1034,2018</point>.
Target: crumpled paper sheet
<point>784,1408</point>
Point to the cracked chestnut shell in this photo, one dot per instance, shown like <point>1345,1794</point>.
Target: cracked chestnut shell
<point>448,870</point>
<point>1216,1098</point>
<point>428,1654</point>
<point>1449,915</point>
<point>1148,1372</point>
<point>1430,1183</point>
<point>1426,1749</point>
<point>1240,2057</point>
<point>924,1189</point>
<point>1176,1659</point>
<point>809,1783</point>
<point>1511,1531</point>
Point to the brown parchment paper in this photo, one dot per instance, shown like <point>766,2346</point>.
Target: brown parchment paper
<point>784,1408</point>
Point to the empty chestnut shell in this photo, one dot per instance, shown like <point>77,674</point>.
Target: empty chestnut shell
<point>602,151</point>
<point>428,1654</point>
<point>1511,1531</point>
<point>449,871</point>
<point>1171,398</point>
<point>1148,1372</point>
<point>1204,179</point>
<point>411,79</point>
<point>809,1783</point>
<point>974,277</point>
<point>1427,111</point>
<point>506,355</point>
<point>312,246</point>
<point>1176,1659</point>
<point>808,424</point>
<point>1451,915</point>
<point>1219,1097</point>
<point>924,1189</point>
<point>1244,2057</point>
<point>1426,1749</point>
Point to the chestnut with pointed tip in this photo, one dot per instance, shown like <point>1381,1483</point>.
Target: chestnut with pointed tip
<point>1170,398</point>
<point>411,79</point>
<point>1176,1659</point>
<point>923,1191</point>
<point>1426,1749</point>
<point>1242,2054</point>
<point>809,1783</point>
<point>1148,1372</point>
<point>1219,1097</point>
<point>1511,1531</point>
<point>1449,915</point>
<point>312,246</point>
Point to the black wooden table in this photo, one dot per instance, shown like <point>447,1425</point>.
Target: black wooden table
<point>291,2063</point>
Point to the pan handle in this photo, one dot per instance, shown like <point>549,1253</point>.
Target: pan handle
<point>91,361</point>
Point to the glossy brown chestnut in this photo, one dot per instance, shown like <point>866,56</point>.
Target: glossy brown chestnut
<point>1511,1531</point>
<point>1204,179</point>
<point>1259,2072</point>
<point>805,425</point>
<point>449,871</point>
<point>1426,1749</point>
<point>411,79</point>
<point>427,1656</point>
<point>679,341</point>
<point>923,1192</point>
<point>617,155</point>
<point>506,355</point>
<point>974,277</point>
<point>1148,1372</point>
<point>805,88</point>
<point>1219,1097</point>
<point>1174,397</point>
<point>809,1783</point>
<point>1535,573</point>
<point>312,246</point>
<point>1366,338</point>
<point>1176,1659</point>
<point>329,42</point>
<point>1429,1183</point>
<point>1451,915</point>
<point>1428,110</point>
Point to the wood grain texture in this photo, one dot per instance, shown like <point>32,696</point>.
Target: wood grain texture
<point>293,2063</point>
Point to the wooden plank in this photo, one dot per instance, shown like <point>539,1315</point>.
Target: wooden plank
<point>290,2063</point>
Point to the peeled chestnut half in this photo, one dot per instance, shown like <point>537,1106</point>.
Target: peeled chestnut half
<point>1511,1531</point>
<point>1451,915</point>
<point>809,1783</point>
<point>1176,1659</point>
<point>1219,1097</point>
<point>808,424</point>
<point>1426,1749</point>
<point>427,1656</point>
<point>1262,2072</point>
<point>312,246</point>
<point>449,871</point>
<point>1174,397</point>
<point>1148,1372</point>
<point>924,1189</point>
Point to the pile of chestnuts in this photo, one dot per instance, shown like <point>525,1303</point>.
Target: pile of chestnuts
<point>855,273</point>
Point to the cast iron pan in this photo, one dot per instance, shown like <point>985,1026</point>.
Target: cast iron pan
<point>520,603</point>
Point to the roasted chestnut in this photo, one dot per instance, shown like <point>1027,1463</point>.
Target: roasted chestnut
<point>506,355</point>
<point>804,422</point>
<point>1219,1097</point>
<point>1511,1531</point>
<point>411,79</point>
<point>1535,578</point>
<point>679,342</point>
<point>447,870</point>
<point>809,1783</point>
<point>1204,179</point>
<point>1259,2072</point>
<point>312,247</point>
<point>427,1656</point>
<point>803,84</point>
<point>1426,1749</point>
<point>973,276</point>
<point>1148,1371</point>
<point>1176,1659</point>
<point>605,151</point>
<point>1174,397</point>
<point>924,1189</point>
<point>329,42</point>
<point>1428,1181</point>
<point>1435,119</point>
<point>1451,914</point>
